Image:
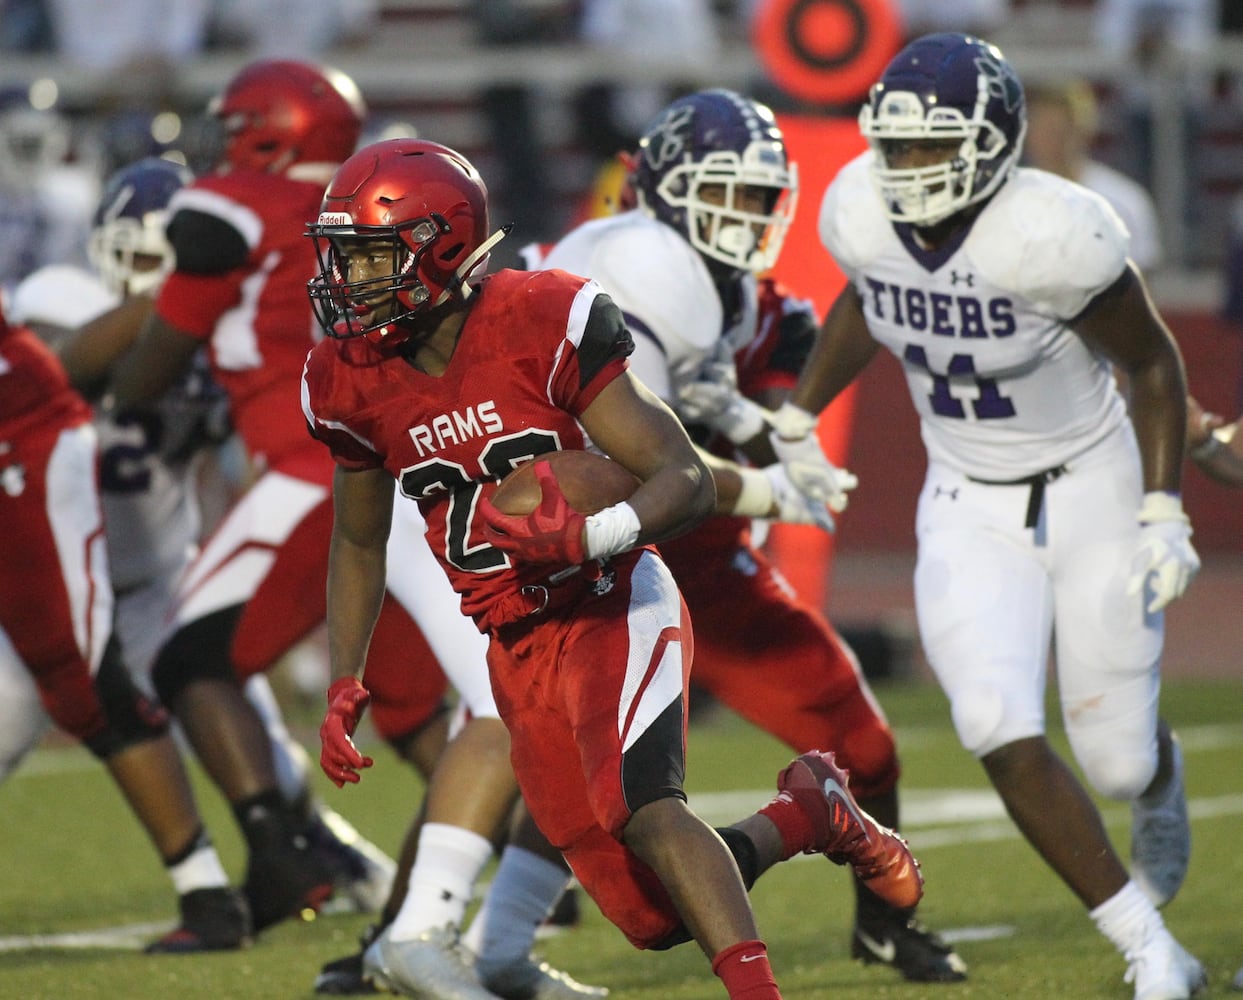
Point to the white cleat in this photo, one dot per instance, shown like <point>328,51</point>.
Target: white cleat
<point>532,979</point>
<point>1164,970</point>
<point>429,967</point>
<point>366,873</point>
<point>1161,835</point>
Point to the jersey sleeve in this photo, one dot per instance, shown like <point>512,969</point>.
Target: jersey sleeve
<point>349,449</point>
<point>212,237</point>
<point>1053,242</point>
<point>601,344</point>
<point>852,223</point>
<point>785,332</point>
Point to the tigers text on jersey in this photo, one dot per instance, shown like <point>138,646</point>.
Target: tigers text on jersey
<point>247,297</point>
<point>664,290</point>
<point>984,325</point>
<point>535,350</point>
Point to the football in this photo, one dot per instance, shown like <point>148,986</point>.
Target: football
<point>589,481</point>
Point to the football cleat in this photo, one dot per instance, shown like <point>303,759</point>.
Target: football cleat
<point>290,880</point>
<point>365,873</point>
<point>1162,969</point>
<point>215,919</point>
<point>1161,835</point>
<point>432,965</point>
<point>344,976</point>
<point>903,943</point>
<point>566,914</point>
<point>847,835</point>
<point>531,979</point>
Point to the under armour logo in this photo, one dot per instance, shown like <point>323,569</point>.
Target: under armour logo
<point>942,491</point>
<point>967,279</point>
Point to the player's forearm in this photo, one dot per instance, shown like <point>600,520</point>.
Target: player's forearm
<point>355,592</point>
<point>843,348</point>
<point>1159,413</point>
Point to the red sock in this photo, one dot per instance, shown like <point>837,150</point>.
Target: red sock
<point>791,822</point>
<point>745,971</point>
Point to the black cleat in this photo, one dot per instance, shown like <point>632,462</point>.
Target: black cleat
<point>344,976</point>
<point>294,880</point>
<point>211,920</point>
<point>906,945</point>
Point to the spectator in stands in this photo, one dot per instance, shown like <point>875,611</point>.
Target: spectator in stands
<point>1061,124</point>
<point>976,17</point>
<point>1160,43</point>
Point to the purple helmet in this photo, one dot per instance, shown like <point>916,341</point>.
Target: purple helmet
<point>722,140</point>
<point>943,88</point>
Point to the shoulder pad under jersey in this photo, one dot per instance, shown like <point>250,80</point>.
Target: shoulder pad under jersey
<point>853,225</point>
<point>654,276</point>
<point>1049,240</point>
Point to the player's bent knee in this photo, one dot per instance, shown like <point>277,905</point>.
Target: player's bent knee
<point>978,714</point>
<point>130,716</point>
<point>1118,775</point>
<point>197,651</point>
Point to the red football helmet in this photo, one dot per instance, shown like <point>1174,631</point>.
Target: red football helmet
<point>279,112</point>
<point>419,201</point>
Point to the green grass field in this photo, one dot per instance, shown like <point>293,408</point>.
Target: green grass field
<point>77,863</point>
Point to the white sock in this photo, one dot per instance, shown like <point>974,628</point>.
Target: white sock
<point>1128,919</point>
<point>522,894</point>
<point>201,870</point>
<point>448,862</point>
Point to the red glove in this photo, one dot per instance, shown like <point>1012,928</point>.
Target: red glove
<point>338,757</point>
<point>552,533</point>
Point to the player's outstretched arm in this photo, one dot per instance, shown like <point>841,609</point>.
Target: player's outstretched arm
<point>362,516</point>
<point>149,368</point>
<point>1123,324</point>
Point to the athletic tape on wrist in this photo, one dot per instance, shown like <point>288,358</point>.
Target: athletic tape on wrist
<point>612,530</point>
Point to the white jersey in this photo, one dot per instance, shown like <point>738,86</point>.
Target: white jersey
<point>146,459</point>
<point>147,478</point>
<point>666,293</point>
<point>984,326</point>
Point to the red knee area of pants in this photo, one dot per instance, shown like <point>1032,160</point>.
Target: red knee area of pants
<point>68,694</point>
<point>777,662</point>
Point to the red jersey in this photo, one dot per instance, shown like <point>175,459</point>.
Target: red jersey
<point>34,390</point>
<point>243,263</point>
<point>535,350</point>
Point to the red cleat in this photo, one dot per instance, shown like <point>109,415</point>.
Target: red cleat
<point>847,835</point>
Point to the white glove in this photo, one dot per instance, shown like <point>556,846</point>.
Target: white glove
<point>714,401</point>
<point>795,506</point>
<point>798,449</point>
<point>763,489</point>
<point>1164,558</point>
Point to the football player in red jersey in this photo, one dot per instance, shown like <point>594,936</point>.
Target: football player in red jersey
<point>444,381</point>
<point>706,200</point>
<point>56,609</point>
<point>239,286</point>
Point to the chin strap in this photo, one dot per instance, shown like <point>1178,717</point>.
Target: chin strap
<point>478,256</point>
